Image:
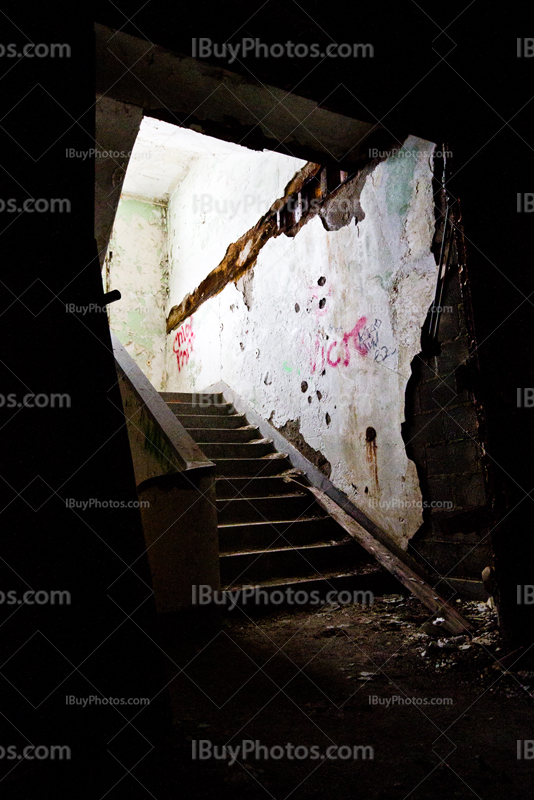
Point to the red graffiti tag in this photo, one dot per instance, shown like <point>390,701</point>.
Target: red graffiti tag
<point>365,339</point>
<point>351,336</point>
<point>183,343</point>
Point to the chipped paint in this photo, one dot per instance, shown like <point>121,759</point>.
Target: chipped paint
<point>136,265</point>
<point>381,270</point>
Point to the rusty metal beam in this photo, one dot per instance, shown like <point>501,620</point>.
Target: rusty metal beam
<point>308,193</point>
<point>241,255</point>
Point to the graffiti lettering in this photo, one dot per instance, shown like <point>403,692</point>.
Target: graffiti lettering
<point>328,358</point>
<point>382,353</point>
<point>352,336</point>
<point>183,343</point>
<point>368,337</point>
<point>318,347</point>
<point>364,338</point>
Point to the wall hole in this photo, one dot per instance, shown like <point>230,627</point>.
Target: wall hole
<point>370,435</point>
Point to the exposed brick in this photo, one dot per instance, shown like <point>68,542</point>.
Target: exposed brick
<point>452,293</point>
<point>469,490</point>
<point>416,450</point>
<point>428,369</point>
<point>416,409</point>
<point>462,324</point>
<point>449,323</point>
<point>460,423</point>
<point>475,520</point>
<point>426,428</point>
<point>452,355</point>
<point>453,457</point>
<point>440,490</point>
<point>438,393</point>
<point>455,559</point>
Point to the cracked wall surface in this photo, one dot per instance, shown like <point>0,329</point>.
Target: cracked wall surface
<point>338,312</point>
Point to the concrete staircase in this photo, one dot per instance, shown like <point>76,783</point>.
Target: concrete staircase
<point>272,533</point>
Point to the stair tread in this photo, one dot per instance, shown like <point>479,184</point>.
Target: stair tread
<point>250,441</point>
<point>268,551</point>
<point>273,522</point>
<point>210,416</point>
<point>267,457</point>
<point>261,497</point>
<point>242,428</point>
<point>363,569</point>
<point>313,535</point>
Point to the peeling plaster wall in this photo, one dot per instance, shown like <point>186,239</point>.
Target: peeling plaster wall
<point>320,337</point>
<point>137,265</point>
<point>221,197</point>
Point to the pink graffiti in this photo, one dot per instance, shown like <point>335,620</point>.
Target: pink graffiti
<point>365,339</point>
<point>183,344</point>
<point>318,347</point>
<point>351,336</point>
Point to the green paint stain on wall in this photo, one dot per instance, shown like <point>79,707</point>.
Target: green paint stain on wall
<point>401,168</point>
<point>140,330</point>
<point>286,367</point>
<point>127,208</point>
<point>135,320</point>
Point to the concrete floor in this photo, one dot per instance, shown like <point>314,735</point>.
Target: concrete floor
<point>306,677</point>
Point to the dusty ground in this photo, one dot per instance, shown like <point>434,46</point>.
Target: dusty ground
<point>306,677</point>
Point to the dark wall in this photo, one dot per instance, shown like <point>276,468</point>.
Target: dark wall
<point>101,643</point>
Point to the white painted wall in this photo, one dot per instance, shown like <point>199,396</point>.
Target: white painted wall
<point>221,197</point>
<point>377,281</point>
<point>379,275</point>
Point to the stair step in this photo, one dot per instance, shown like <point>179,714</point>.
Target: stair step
<point>254,467</point>
<point>198,398</point>
<point>246,450</point>
<point>227,435</point>
<point>265,509</point>
<point>226,488</point>
<point>289,561</point>
<point>196,409</point>
<point>196,421</point>
<point>359,581</point>
<point>237,538</point>
<point>269,532</point>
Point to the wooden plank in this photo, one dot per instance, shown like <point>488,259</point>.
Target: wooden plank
<point>454,622</point>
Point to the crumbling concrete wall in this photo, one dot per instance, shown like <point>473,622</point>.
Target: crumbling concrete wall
<point>444,433</point>
<point>137,265</point>
<point>320,336</point>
